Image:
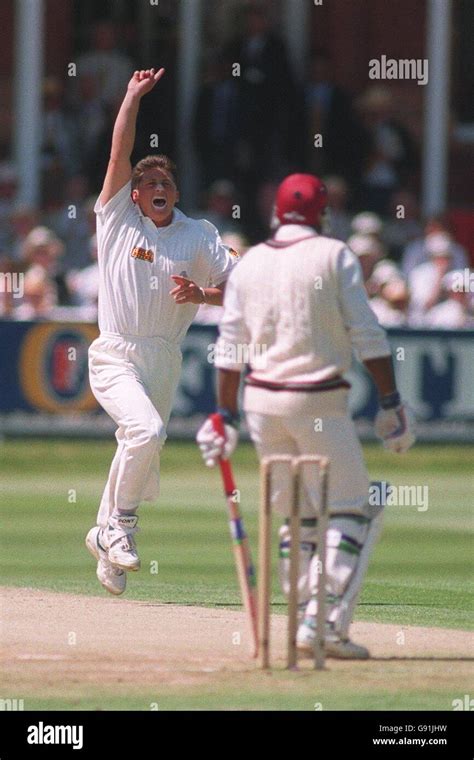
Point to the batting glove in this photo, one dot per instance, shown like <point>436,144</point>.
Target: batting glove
<point>213,446</point>
<point>394,424</point>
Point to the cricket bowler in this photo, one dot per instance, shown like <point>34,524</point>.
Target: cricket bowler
<point>145,247</point>
<point>297,305</point>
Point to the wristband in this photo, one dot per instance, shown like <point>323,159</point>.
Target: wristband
<point>390,401</point>
<point>228,417</point>
<point>203,294</point>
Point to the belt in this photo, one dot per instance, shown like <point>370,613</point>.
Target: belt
<point>311,387</point>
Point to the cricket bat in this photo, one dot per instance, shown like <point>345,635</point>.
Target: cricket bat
<point>243,560</point>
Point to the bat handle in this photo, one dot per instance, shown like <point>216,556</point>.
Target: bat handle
<point>226,470</point>
<point>218,424</point>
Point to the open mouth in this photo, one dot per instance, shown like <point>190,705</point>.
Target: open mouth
<point>159,202</point>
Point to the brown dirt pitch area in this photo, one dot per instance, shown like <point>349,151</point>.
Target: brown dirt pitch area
<point>87,652</point>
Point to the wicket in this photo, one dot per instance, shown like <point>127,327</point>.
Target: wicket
<point>264,576</point>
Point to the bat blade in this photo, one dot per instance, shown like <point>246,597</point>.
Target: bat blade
<point>243,560</point>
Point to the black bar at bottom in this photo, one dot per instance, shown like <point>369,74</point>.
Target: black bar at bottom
<point>375,734</point>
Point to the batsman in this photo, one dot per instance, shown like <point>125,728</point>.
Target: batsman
<point>296,306</point>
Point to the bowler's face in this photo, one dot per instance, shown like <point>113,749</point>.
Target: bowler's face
<point>156,195</point>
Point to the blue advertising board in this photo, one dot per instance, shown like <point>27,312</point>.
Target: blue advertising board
<point>43,371</point>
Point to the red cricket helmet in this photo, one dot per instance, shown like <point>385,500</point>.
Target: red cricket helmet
<point>301,199</point>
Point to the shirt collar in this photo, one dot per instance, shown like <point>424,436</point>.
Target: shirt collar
<point>291,231</point>
<point>177,218</point>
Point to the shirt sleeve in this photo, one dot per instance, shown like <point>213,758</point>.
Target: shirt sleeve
<point>367,337</point>
<point>233,333</point>
<point>116,207</point>
<point>221,258</point>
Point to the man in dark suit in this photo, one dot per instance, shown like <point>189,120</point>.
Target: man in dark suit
<point>329,113</point>
<point>266,101</point>
<point>216,121</point>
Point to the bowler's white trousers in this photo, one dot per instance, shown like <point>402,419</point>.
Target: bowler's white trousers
<point>134,379</point>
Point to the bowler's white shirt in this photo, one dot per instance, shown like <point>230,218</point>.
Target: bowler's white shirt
<point>303,306</point>
<point>134,294</point>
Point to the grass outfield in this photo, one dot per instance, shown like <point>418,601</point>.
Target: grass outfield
<point>419,573</point>
<point>287,692</point>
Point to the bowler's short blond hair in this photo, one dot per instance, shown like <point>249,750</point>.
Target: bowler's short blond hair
<point>159,161</point>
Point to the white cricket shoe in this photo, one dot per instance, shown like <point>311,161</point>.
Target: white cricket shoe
<point>119,543</point>
<point>345,649</point>
<point>334,646</point>
<point>113,579</point>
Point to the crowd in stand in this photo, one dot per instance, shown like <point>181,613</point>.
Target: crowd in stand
<point>249,131</point>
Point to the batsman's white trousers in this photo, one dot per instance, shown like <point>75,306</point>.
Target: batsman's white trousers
<point>134,379</point>
<point>310,423</point>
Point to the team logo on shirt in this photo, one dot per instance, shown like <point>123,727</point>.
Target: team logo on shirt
<point>143,254</point>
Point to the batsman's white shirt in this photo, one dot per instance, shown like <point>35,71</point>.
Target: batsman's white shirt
<point>300,311</point>
<point>136,260</point>
<point>303,307</point>
<point>134,364</point>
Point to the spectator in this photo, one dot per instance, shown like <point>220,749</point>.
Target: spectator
<point>266,100</point>
<point>384,271</point>
<point>398,231</point>
<point>91,117</point>
<point>220,206</point>
<point>417,253</point>
<point>22,221</point>
<point>59,157</point>
<point>107,66</point>
<point>70,223</point>
<point>8,187</point>
<point>39,296</point>
<point>425,280</point>
<point>43,249</point>
<point>98,159</point>
<point>376,269</point>
<point>265,208</point>
<point>8,293</point>
<point>453,311</point>
<point>329,113</point>
<point>339,219</point>
<point>367,223</point>
<point>83,285</point>
<point>388,150</point>
<point>392,302</point>
<point>216,121</point>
